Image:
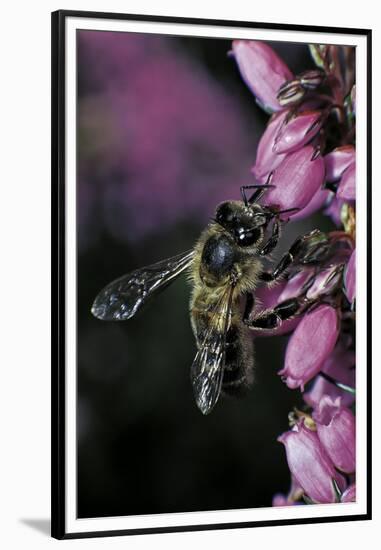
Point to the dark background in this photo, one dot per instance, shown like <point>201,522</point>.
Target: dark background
<point>166,130</point>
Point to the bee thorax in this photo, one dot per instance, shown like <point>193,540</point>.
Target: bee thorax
<point>218,258</point>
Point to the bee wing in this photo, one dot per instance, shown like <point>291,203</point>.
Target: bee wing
<point>122,298</point>
<point>208,365</point>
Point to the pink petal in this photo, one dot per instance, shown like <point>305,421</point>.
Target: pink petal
<point>310,345</point>
<point>310,464</point>
<point>267,160</point>
<point>336,430</point>
<point>297,132</point>
<point>296,180</point>
<point>337,161</point>
<point>262,70</point>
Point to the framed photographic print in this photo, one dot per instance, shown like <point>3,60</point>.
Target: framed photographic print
<point>211,274</point>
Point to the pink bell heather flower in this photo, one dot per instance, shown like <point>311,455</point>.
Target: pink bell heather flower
<point>350,278</point>
<point>339,367</point>
<point>347,188</point>
<point>320,198</point>
<point>310,464</point>
<point>296,180</point>
<point>349,494</point>
<point>335,426</point>
<point>310,345</point>
<point>267,160</point>
<point>297,132</point>
<point>337,161</point>
<point>262,70</point>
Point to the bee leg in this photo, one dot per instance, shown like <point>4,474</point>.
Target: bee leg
<point>273,318</point>
<point>273,240</point>
<point>249,306</point>
<point>258,193</point>
<point>305,249</point>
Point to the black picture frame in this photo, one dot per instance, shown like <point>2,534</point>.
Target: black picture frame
<point>58,429</point>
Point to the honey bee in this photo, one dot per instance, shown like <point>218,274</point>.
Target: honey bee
<point>225,267</point>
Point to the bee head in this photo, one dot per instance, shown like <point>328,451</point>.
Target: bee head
<point>246,224</point>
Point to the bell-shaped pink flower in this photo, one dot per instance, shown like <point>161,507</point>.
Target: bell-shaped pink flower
<point>320,199</point>
<point>335,426</point>
<point>340,368</point>
<point>350,278</point>
<point>310,464</point>
<point>296,180</point>
<point>349,494</point>
<point>296,284</point>
<point>347,187</point>
<point>266,160</point>
<point>298,131</point>
<point>262,70</point>
<point>310,345</point>
<point>338,160</point>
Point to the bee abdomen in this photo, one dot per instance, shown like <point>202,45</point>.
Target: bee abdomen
<point>239,362</point>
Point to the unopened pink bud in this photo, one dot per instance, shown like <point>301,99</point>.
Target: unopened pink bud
<point>335,426</point>
<point>262,70</point>
<point>296,180</point>
<point>310,345</point>
<point>297,132</point>
<point>310,464</point>
<point>337,161</point>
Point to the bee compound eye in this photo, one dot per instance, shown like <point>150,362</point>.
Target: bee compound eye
<point>225,214</point>
<point>247,237</point>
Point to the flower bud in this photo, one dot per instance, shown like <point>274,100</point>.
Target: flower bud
<point>310,345</point>
<point>310,464</point>
<point>349,494</point>
<point>297,132</point>
<point>267,160</point>
<point>312,79</point>
<point>296,180</point>
<point>318,53</point>
<point>335,426</point>
<point>337,161</point>
<point>290,93</point>
<point>350,278</point>
<point>262,70</point>
<point>347,188</point>
<point>339,367</point>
